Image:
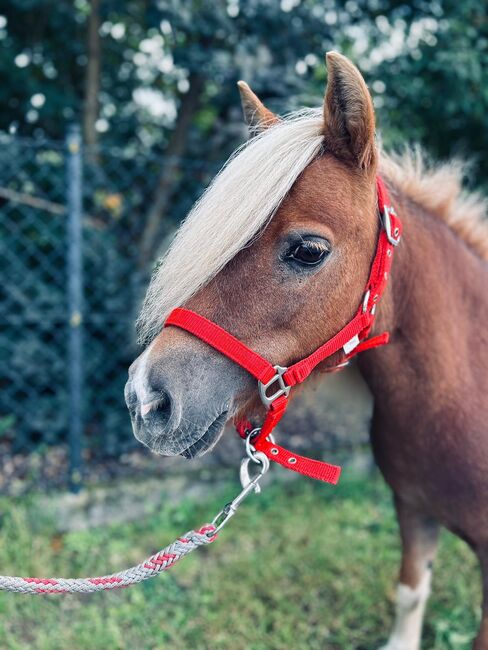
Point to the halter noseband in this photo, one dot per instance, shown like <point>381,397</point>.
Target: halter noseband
<point>275,382</point>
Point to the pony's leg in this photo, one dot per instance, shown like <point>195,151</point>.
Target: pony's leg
<point>419,535</point>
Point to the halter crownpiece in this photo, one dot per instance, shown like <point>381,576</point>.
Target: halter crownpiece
<point>275,382</point>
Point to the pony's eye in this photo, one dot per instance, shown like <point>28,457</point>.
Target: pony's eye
<point>308,253</point>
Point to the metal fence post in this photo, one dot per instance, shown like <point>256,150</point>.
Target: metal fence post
<point>74,181</point>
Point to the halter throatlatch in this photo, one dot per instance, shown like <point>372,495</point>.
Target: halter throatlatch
<point>275,382</point>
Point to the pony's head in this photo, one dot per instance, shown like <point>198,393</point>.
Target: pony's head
<point>277,251</point>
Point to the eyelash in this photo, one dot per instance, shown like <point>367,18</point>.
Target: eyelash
<point>314,248</point>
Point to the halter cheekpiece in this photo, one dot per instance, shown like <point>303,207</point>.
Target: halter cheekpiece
<point>275,382</point>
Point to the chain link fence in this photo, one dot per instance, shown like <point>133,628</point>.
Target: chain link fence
<point>72,228</point>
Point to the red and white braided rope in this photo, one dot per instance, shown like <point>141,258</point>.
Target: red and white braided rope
<point>156,563</point>
<point>151,567</point>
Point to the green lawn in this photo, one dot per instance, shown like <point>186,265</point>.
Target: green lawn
<point>302,566</point>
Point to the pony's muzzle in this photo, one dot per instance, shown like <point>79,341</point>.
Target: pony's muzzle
<point>179,397</point>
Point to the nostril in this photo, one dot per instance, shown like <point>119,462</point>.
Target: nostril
<point>159,407</point>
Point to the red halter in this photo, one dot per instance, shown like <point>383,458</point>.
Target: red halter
<point>275,382</point>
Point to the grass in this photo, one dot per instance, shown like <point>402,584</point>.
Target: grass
<point>302,566</point>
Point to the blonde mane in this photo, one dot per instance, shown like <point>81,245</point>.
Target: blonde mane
<point>248,190</point>
<point>236,206</point>
<point>438,189</point>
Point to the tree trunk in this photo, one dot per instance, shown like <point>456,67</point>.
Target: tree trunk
<point>190,103</point>
<point>92,83</point>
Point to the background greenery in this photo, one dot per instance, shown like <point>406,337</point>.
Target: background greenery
<point>162,73</point>
<point>302,566</point>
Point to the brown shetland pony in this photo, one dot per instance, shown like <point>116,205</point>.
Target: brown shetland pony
<point>278,251</point>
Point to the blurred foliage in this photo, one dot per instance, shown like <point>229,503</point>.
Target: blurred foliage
<point>437,92</point>
<point>426,63</point>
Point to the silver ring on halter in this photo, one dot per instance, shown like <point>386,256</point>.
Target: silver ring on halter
<point>250,449</point>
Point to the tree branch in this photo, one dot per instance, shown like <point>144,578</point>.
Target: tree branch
<point>92,82</point>
<point>190,103</point>
<point>39,203</point>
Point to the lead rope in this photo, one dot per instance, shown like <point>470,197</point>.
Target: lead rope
<point>157,563</point>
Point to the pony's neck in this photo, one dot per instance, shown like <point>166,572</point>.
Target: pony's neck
<point>435,309</point>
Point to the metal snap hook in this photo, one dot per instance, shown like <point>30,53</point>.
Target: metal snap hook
<point>245,475</point>
<point>249,484</point>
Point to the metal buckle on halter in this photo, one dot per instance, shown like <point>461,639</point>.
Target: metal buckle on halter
<point>283,389</point>
<point>393,238</point>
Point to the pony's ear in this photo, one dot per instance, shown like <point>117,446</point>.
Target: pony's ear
<point>257,116</point>
<point>349,124</point>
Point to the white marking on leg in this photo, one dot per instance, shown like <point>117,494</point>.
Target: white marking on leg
<point>407,630</point>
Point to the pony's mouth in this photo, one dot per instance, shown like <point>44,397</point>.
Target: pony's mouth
<point>208,439</point>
